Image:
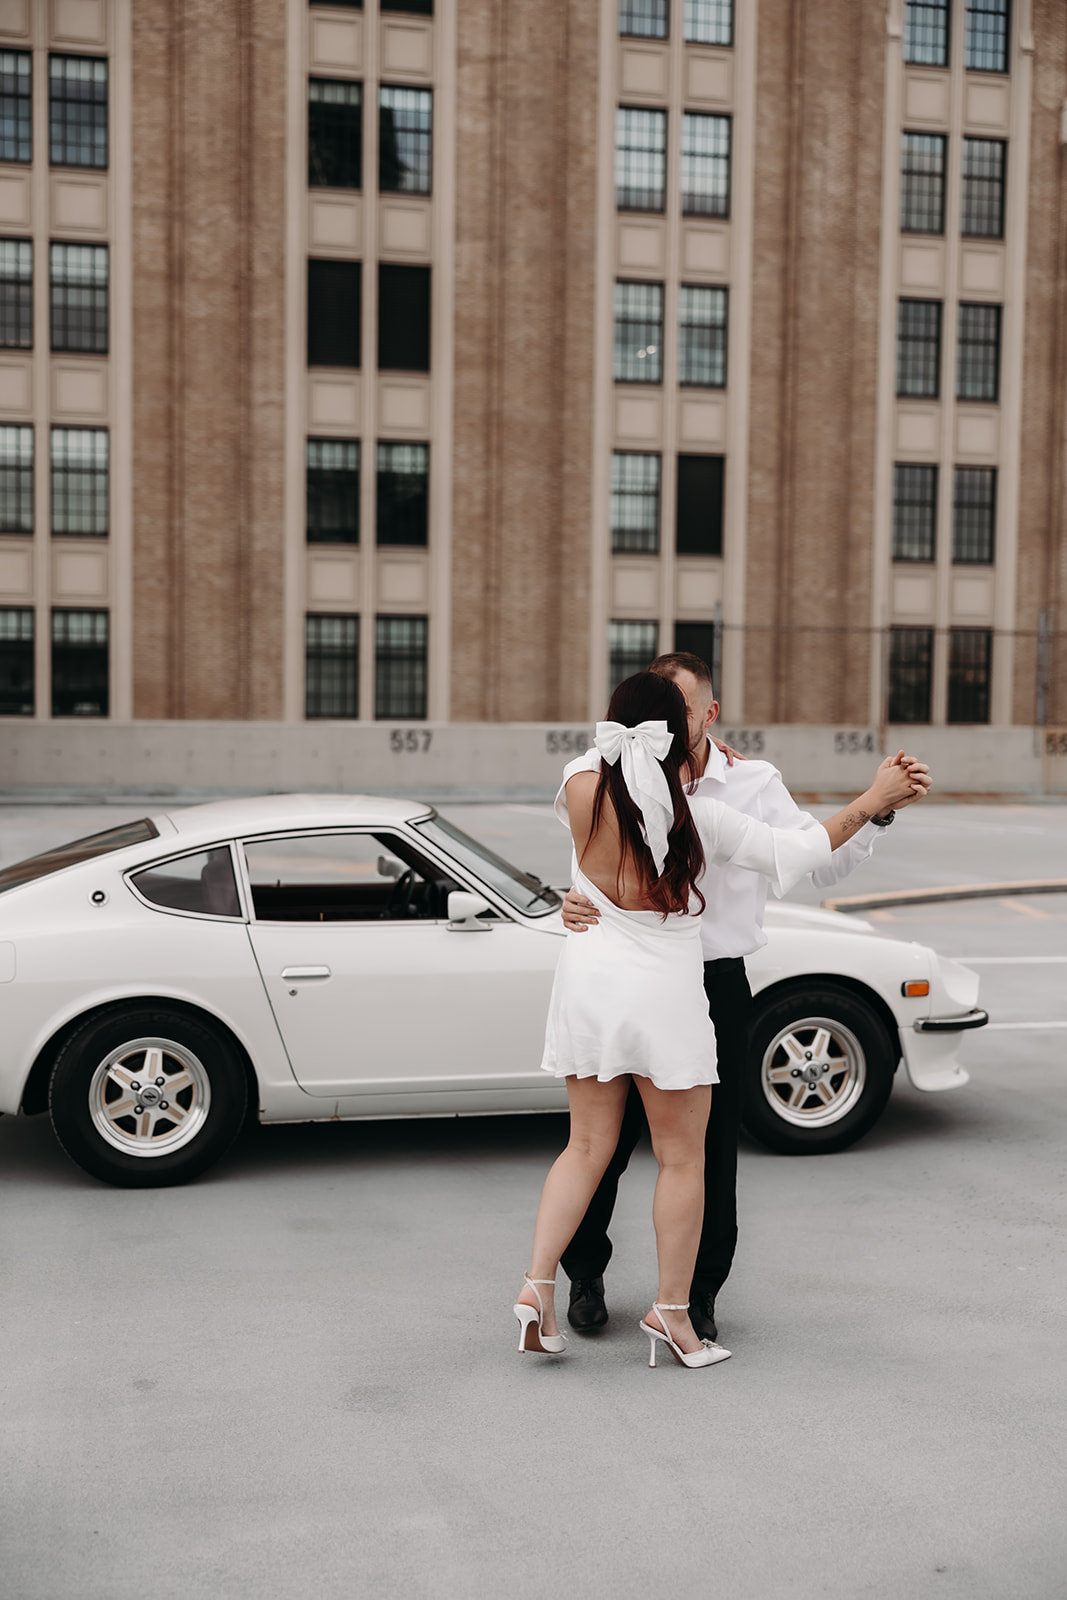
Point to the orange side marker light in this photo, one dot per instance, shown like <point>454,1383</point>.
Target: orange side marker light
<point>915,989</point>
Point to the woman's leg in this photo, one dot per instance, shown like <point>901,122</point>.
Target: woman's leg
<point>677,1119</point>
<point>596,1117</point>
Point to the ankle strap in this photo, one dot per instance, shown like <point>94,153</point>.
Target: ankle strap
<point>526,1275</point>
<point>661,1305</point>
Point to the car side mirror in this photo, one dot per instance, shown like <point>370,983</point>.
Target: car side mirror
<point>463,912</point>
<point>390,867</point>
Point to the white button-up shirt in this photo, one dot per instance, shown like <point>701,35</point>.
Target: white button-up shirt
<point>732,921</point>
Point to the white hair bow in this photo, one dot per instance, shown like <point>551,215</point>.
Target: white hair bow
<point>641,750</point>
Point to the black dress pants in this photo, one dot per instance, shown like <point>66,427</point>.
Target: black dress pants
<point>730,1007</point>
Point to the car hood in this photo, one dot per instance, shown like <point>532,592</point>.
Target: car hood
<point>786,914</point>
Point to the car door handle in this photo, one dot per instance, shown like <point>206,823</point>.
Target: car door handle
<point>295,974</point>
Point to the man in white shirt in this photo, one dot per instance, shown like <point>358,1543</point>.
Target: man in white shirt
<point>731,928</point>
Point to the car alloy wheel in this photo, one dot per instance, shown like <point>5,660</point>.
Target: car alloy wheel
<point>149,1096</point>
<point>813,1072</point>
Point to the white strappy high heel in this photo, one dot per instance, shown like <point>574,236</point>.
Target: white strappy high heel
<point>550,1344</point>
<point>704,1357</point>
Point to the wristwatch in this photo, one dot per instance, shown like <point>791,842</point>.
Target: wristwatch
<point>883,822</point>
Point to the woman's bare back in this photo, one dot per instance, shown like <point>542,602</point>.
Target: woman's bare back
<point>601,858</point>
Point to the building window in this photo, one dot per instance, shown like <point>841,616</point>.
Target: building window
<point>702,337</point>
<point>332,486</point>
<point>405,140</point>
<point>698,517</point>
<point>77,111</point>
<point>403,493</point>
<point>400,667</point>
<point>413,8</point>
<point>919,349</point>
<point>978,353</point>
<point>335,134</point>
<point>79,297</point>
<point>922,183</point>
<point>79,664</point>
<point>926,33</point>
<point>697,639</point>
<point>643,19</point>
<point>334,307</point>
<point>708,22</point>
<point>914,512</point>
<point>631,646</point>
<point>984,164</point>
<point>640,159</point>
<point>634,501</point>
<point>974,513</point>
<point>970,659</point>
<point>986,50</point>
<point>80,481</point>
<point>16,661</point>
<point>911,656</point>
<point>638,333</point>
<point>404,319</point>
<point>331,666</point>
<point>705,165</point>
<point>16,105</point>
<point>16,294</point>
<point>16,479</point>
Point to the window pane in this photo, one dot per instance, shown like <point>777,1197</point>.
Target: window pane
<point>414,8</point>
<point>333,491</point>
<point>16,661</point>
<point>403,493</point>
<point>16,479</point>
<point>634,501</point>
<point>702,336</point>
<point>974,503</point>
<point>697,639</point>
<point>986,50</point>
<point>984,163</point>
<point>643,19</point>
<point>698,526</point>
<point>16,294</point>
<point>331,666</point>
<point>709,21</point>
<point>919,349</point>
<point>914,512</point>
<point>978,353</point>
<point>631,646</point>
<point>640,159</point>
<point>334,302</point>
<point>77,111</point>
<point>922,183</point>
<point>404,319</point>
<point>335,134</point>
<point>705,165</point>
<point>400,667</point>
<point>970,658</point>
<point>405,140</point>
<point>638,332</point>
<point>911,654</point>
<point>79,664</point>
<point>79,297</point>
<point>80,480</point>
<point>926,33</point>
<point>16,106</point>
<point>203,883</point>
<point>345,877</point>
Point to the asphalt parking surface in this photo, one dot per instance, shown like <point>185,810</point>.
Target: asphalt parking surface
<point>298,1376</point>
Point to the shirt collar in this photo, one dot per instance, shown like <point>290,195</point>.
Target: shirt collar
<point>716,765</point>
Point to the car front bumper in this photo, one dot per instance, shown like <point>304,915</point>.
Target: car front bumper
<point>976,1018</point>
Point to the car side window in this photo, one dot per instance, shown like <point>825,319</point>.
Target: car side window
<point>203,884</point>
<point>344,877</point>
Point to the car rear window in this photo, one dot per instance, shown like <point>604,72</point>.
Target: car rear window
<point>202,884</point>
<point>70,855</point>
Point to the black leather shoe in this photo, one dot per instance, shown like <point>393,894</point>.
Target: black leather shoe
<point>587,1312</point>
<point>702,1316</point>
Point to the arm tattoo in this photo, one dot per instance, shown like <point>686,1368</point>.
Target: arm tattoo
<point>855,819</point>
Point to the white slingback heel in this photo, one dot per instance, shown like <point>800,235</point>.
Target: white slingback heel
<point>549,1344</point>
<point>707,1356</point>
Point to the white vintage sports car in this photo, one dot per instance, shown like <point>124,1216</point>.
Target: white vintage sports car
<point>320,956</point>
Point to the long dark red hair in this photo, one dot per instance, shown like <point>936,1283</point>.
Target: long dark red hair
<point>646,697</point>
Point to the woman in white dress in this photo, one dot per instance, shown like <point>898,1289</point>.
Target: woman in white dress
<point>628,998</point>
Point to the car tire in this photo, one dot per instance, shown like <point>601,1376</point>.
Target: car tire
<point>147,1096</point>
<point>821,1069</point>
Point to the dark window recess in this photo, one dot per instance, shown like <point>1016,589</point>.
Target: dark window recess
<point>334,302</point>
<point>699,516</point>
<point>634,501</point>
<point>331,666</point>
<point>332,467</point>
<point>985,49</point>
<point>970,660</point>
<point>79,297</point>
<point>638,355</point>
<point>640,159</point>
<point>697,639</point>
<point>708,22</point>
<point>403,319</point>
<point>974,511</point>
<point>335,134</point>
<point>405,140</point>
<point>79,664</point>
<point>77,111</point>
<point>914,511</point>
<point>403,493</point>
<point>705,165</point>
<point>926,33</point>
<point>400,667</point>
<point>911,658</point>
<point>202,883</point>
<point>414,8</point>
<point>978,353</point>
<point>16,105</point>
<point>80,481</point>
<point>631,646</point>
<point>922,182</point>
<point>339,5</point>
<point>702,336</point>
<point>919,349</point>
<point>984,165</point>
<point>16,294</point>
<point>643,19</point>
<point>16,478</point>
<point>16,661</point>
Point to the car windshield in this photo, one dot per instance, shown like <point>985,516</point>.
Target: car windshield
<point>520,889</point>
<point>69,855</point>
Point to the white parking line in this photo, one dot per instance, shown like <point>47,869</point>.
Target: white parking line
<point>1008,1027</point>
